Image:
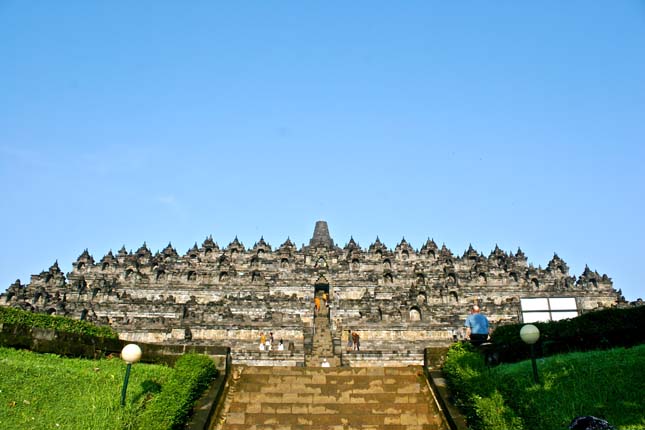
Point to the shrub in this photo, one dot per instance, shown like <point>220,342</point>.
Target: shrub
<point>604,329</point>
<point>59,323</point>
<point>494,414</point>
<point>475,392</point>
<point>171,408</point>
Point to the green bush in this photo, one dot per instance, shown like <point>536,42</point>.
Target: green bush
<point>171,408</point>
<point>62,324</point>
<point>604,329</point>
<point>607,384</point>
<point>475,392</point>
<point>494,414</point>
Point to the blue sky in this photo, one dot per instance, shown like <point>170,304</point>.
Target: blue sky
<point>483,123</point>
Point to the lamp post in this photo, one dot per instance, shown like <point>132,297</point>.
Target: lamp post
<point>530,334</point>
<point>130,353</point>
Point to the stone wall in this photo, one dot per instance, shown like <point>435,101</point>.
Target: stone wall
<point>79,345</point>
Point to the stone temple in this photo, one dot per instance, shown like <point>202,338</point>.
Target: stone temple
<point>399,300</point>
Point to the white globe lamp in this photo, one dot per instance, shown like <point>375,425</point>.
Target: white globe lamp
<point>530,334</point>
<point>130,353</point>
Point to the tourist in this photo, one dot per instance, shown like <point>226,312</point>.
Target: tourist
<point>263,340</point>
<point>316,305</point>
<point>268,344</point>
<point>325,363</point>
<point>350,342</point>
<point>477,328</point>
<point>356,339</point>
<point>280,346</point>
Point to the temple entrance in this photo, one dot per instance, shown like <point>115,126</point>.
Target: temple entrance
<point>321,298</point>
<point>321,286</point>
<point>319,289</point>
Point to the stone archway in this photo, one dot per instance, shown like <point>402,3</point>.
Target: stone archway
<point>321,286</point>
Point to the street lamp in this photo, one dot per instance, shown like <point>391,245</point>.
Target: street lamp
<point>130,353</point>
<point>530,334</point>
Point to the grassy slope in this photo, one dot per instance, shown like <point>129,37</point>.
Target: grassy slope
<point>608,384</point>
<point>44,391</point>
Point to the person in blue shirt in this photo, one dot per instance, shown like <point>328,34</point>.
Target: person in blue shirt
<point>477,328</point>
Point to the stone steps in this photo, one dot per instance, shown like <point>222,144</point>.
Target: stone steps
<point>331,427</point>
<point>285,398</point>
<point>322,347</point>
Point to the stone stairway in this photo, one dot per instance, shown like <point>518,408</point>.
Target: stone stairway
<point>286,398</point>
<point>322,343</point>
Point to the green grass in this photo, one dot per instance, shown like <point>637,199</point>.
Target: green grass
<point>45,391</point>
<point>608,384</point>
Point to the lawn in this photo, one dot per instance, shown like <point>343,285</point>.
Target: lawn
<point>608,384</point>
<point>45,391</point>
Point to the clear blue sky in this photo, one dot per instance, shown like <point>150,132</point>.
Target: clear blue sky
<point>509,123</point>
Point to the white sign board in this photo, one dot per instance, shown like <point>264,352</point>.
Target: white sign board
<point>543,309</point>
<point>531,317</point>
<point>541,304</point>
<point>556,316</point>
<point>562,303</point>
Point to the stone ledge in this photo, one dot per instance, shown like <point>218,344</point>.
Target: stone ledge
<point>382,358</point>
<point>269,358</point>
<point>205,407</point>
<point>79,345</point>
<point>453,415</point>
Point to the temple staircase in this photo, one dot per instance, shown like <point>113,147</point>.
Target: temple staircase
<point>341,398</point>
<point>337,398</point>
<point>322,342</point>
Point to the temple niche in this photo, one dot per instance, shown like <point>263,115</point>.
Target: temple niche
<point>401,298</point>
